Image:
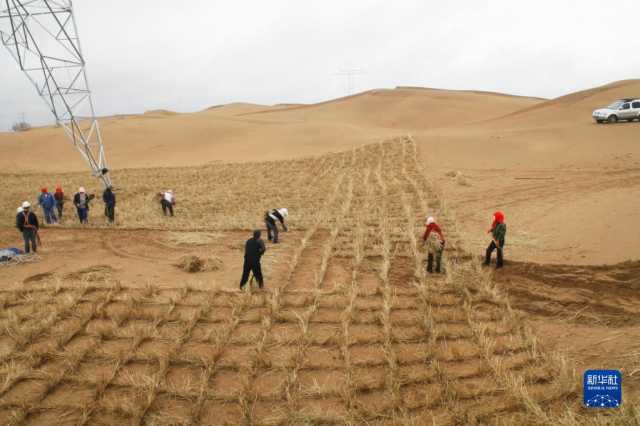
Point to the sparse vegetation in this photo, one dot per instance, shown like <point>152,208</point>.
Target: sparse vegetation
<point>353,331</point>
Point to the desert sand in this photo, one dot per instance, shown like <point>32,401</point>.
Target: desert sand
<point>542,161</point>
<point>350,329</point>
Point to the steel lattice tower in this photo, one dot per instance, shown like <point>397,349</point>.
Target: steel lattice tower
<point>42,37</point>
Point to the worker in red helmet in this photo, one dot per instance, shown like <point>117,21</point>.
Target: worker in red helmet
<point>434,239</point>
<point>48,204</point>
<point>59,197</point>
<point>498,232</point>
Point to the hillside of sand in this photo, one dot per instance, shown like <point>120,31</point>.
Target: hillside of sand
<point>249,132</point>
<point>350,326</point>
<point>568,186</point>
<point>142,322</point>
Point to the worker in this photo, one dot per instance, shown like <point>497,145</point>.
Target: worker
<point>167,201</point>
<point>498,232</point>
<point>434,238</point>
<point>81,200</point>
<point>48,204</point>
<point>253,251</point>
<point>59,196</point>
<point>109,199</point>
<point>270,218</point>
<point>27,223</point>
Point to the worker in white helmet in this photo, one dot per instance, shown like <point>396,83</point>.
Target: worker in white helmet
<point>27,223</point>
<point>270,218</point>
<point>81,200</point>
<point>167,201</point>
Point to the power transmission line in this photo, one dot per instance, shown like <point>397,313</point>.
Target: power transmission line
<point>350,76</point>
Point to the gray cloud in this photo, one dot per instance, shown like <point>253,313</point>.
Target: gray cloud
<point>151,54</point>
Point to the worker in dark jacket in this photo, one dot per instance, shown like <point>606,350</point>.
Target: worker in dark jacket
<point>253,251</point>
<point>270,218</point>
<point>498,232</point>
<point>81,200</point>
<point>59,197</point>
<point>27,223</point>
<point>109,199</point>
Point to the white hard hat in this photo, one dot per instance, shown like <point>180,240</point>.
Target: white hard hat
<point>81,189</point>
<point>19,210</point>
<point>430,220</point>
<point>284,212</point>
<point>26,205</point>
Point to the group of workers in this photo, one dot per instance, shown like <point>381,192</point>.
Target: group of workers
<point>28,224</point>
<point>53,207</point>
<point>433,238</point>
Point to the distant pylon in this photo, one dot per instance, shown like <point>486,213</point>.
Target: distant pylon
<point>42,37</point>
<point>350,75</point>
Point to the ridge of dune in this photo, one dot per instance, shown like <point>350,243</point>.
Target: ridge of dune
<point>240,108</point>
<point>245,131</point>
<point>476,92</point>
<point>401,108</point>
<point>396,90</point>
<point>157,113</point>
<point>556,133</point>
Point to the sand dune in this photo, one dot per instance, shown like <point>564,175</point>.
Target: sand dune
<point>405,108</point>
<point>567,183</point>
<point>530,156</point>
<point>554,133</point>
<point>251,132</point>
<point>347,274</point>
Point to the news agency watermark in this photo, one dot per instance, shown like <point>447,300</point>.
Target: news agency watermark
<point>602,389</point>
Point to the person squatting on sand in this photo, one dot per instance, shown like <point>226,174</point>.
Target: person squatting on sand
<point>253,250</point>
<point>27,223</point>
<point>498,232</point>
<point>48,204</point>
<point>167,201</point>
<point>109,199</point>
<point>81,200</point>
<point>59,196</point>
<point>434,239</point>
<point>270,218</point>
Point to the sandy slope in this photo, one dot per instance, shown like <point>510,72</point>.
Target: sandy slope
<point>568,185</point>
<point>249,132</point>
<point>544,162</point>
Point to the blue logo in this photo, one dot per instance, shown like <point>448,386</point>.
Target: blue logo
<point>602,389</point>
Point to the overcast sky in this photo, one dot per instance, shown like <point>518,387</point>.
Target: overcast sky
<point>186,56</point>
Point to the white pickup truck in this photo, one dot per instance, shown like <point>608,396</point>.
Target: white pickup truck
<point>625,109</point>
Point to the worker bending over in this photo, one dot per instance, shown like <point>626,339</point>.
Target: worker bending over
<point>167,201</point>
<point>253,250</point>
<point>270,218</point>
<point>434,239</point>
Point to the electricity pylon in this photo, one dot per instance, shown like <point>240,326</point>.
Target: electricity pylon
<point>350,75</point>
<point>42,37</point>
